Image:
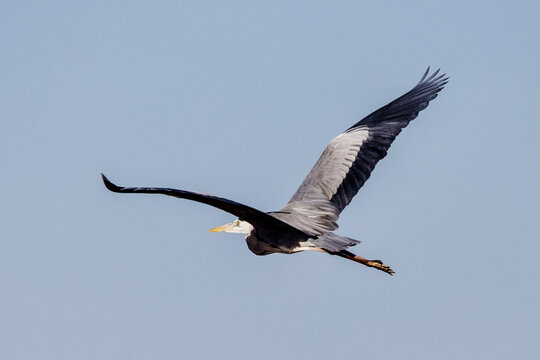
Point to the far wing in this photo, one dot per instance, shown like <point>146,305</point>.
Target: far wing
<point>261,221</point>
<point>349,159</point>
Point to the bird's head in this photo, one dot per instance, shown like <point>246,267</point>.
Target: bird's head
<point>237,226</point>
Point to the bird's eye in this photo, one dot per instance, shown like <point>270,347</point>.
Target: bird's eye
<point>236,223</point>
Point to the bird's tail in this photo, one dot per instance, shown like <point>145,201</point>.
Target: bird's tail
<point>333,243</point>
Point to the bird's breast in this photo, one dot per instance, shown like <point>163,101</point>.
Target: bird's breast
<point>264,244</point>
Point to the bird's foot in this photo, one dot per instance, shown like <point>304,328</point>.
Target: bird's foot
<point>378,264</point>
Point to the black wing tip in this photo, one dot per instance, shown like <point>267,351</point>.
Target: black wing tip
<point>440,80</point>
<point>424,76</point>
<point>109,185</point>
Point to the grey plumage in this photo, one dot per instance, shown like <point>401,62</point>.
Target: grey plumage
<point>349,159</point>
<point>308,220</point>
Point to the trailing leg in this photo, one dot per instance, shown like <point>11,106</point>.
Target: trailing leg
<point>377,264</point>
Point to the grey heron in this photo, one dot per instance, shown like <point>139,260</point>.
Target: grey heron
<point>308,220</point>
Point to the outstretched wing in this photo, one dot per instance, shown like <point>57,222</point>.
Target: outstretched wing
<point>349,159</point>
<point>261,221</point>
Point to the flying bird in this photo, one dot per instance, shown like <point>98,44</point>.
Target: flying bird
<point>308,220</point>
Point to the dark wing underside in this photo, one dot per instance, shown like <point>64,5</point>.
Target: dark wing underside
<point>277,232</point>
<point>349,159</point>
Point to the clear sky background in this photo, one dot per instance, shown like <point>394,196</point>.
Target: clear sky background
<point>238,99</point>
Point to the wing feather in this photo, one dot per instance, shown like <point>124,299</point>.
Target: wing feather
<point>348,160</point>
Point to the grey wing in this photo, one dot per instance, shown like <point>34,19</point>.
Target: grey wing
<point>349,159</point>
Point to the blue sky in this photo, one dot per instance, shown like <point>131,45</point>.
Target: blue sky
<point>239,99</point>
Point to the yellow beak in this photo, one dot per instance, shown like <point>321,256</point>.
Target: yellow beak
<point>218,229</point>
